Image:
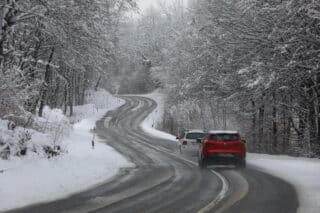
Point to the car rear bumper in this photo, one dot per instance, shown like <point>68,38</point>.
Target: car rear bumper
<point>225,158</point>
<point>225,154</point>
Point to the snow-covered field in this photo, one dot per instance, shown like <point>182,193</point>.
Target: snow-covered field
<point>33,179</point>
<point>302,173</point>
<point>149,124</point>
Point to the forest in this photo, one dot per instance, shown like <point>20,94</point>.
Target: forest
<point>248,65</point>
<point>52,51</point>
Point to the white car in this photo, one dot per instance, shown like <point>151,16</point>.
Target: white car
<point>188,139</point>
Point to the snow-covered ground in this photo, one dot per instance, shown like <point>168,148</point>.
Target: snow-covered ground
<point>150,123</point>
<point>31,179</point>
<point>302,173</point>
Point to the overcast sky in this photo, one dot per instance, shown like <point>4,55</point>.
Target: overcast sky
<point>145,4</point>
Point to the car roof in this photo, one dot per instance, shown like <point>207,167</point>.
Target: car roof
<point>223,132</point>
<point>194,131</point>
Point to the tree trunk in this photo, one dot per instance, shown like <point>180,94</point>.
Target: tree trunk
<point>317,113</point>
<point>302,127</point>
<point>274,125</point>
<point>261,127</point>
<point>56,94</point>
<point>97,84</point>
<point>224,114</point>
<point>203,116</point>
<point>65,99</point>
<point>287,132</point>
<point>213,114</point>
<point>254,124</point>
<point>71,94</point>
<point>313,127</point>
<point>47,77</point>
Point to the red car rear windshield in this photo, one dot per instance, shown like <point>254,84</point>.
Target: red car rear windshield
<point>225,137</point>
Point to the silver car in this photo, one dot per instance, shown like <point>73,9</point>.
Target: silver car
<point>189,139</point>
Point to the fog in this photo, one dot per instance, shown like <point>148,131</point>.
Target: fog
<point>145,4</point>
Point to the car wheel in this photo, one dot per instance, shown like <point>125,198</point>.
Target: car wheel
<point>203,163</point>
<point>242,163</point>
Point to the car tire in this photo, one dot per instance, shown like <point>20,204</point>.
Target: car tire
<point>203,163</point>
<point>242,164</point>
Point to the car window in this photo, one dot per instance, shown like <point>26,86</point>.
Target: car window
<point>195,135</point>
<point>225,137</point>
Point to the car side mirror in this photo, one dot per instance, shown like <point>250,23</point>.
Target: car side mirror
<point>244,141</point>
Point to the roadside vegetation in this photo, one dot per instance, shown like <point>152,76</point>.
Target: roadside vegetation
<point>51,54</point>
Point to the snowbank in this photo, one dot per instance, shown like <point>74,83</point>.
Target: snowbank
<point>47,133</point>
<point>31,179</point>
<point>149,124</point>
<point>98,102</point>
<point>302,173</point>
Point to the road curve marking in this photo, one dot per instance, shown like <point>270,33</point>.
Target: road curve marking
<point>221,195</point>
<point>242,190</point>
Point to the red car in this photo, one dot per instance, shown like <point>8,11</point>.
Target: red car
<point>222,147</point>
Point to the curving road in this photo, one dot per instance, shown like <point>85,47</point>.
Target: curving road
<point>165,181</point>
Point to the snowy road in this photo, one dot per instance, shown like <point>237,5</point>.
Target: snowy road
<point>165,181</point>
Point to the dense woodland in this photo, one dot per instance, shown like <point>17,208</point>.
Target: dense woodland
<point>249,65</point>
<point>52,51</point>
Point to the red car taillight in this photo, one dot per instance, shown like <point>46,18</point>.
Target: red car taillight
<point>240,146</point>
<point>209,146</point>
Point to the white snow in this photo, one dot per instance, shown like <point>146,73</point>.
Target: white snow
<point>99,102</point>
<point>195,131</point>
<point>302,173</point>
<point>255,82</point>
<point>31,179</point>
<point>48,131</point>
<point>243,71</point>
<point>149,124</point>
<point>223,132</point>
